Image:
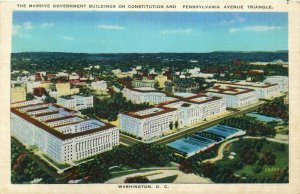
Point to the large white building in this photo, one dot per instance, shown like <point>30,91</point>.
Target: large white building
<point>99,85</point>
<point>148,123</point>
<point>234,97</point>
<point>263,90</point>
<point>76,102</point>
<point>282,81</point>
<point>193,109</point>
<point>145,94</point>
<point>153,122</point>
<point>59,133</point>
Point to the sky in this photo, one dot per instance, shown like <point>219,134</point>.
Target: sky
<point>148,32</point>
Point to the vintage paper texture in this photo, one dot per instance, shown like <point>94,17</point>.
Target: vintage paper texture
<point>293,9</point>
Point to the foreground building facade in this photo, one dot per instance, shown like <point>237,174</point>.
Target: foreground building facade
<point>182,112</point>
<point>148,123</point>
<point>59,132</point>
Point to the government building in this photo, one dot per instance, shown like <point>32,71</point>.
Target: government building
<point>234,97</point>
<point>263,90</point>
<point>145,95</point>
<point>181,85</point>
<point>148,123</point>
<point>60,133</point>
<point>76,102</point>
<point>183,112</point>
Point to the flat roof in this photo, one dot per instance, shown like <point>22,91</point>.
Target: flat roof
<point>53,131</point>
<point>229,90</point>
<point>249,84</point>
<point>162,110</point>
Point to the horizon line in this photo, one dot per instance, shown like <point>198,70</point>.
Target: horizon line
<point>69,52</point>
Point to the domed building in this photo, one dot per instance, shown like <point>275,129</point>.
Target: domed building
<point>181,86</point>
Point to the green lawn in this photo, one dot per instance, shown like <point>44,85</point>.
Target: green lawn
<point>281,160</point>
<point>84,160</point>
<point>168,179</point>
<point>282,129</point>
<point>58,165</point>
<point>283,132</point>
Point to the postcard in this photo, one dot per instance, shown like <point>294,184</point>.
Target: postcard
<point>149,97</point>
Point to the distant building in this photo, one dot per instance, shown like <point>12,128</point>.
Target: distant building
<point>234,97</point>
<point>119,74</point>
<point>39,92</point>
<point>30,85</point>
<point>181,85</point>
<point>17,94</point>
<point>282,81</point>
<point>143,83</point>
<point>126,82</point>
<point>263,90</point>
<point>161,79</point>
<point>73,76</point>
<point>195,70</point>
<point>145,94</point>
<point>64,89</point>
<point>99,85</point>
<point>76,102</point>
<point>203,75</point>
<point>59,133</point>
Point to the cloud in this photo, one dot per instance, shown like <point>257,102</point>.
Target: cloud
<point>262,28</point>
<point>236,19</point>
<point>176,31</point>
<point>21,28</point>
<point>47,25</point>
<point>234,30</point>
<point>68,38</point>
<point>110,27</point>
<point>27,26</point>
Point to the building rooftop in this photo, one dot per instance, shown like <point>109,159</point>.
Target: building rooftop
<point>25,112</point>
<point>229,90</point>
<point>150,112</point>
<point>67,97</point>
<point>249,84</point>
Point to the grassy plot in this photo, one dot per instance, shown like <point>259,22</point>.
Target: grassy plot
<point>280,151</point>
<point>58,165</point>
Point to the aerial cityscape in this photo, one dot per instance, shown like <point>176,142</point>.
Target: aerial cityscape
<point>121,97</point>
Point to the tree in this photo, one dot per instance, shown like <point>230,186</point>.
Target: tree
<point>29,96</point>
<point>136,179</point>
<point>176,124</point>
<point>171,125</point>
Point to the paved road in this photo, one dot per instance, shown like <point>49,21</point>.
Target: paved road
<point>125,140</point>
<point>220,151</point>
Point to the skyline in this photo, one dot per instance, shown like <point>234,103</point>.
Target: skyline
<point>148,32</point>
